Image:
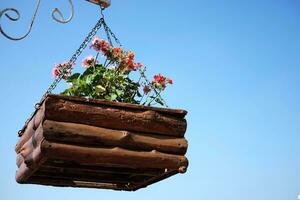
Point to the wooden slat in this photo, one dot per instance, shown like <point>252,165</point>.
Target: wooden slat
<point>29,131</point>
<point>134,107</point>
<point>33,142</point>
<point>100,178</point>
<point>35,158</point>
<point>70,183</point>
<point>19,160</point>
<point>95,136</point>
<point>114,156</point>
<point>149,121</point>
<point>56,165</point>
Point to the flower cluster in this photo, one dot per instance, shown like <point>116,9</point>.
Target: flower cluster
<point>89,61</point>
<point>161,82</point>
<point>111,80</point>
<point>100,45</point>
<point>124,59</point>
<point>62,68</point>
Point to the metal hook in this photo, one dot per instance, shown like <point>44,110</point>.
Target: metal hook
<point>62,20</point>
<point>6,11</point>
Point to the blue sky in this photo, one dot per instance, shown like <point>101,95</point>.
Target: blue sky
<point>236,68</point>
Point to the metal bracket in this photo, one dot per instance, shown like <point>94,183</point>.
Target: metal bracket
<point>13,14</point>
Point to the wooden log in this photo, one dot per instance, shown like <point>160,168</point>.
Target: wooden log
<point>113,156</point>
<point>178,113</point>
<point>33,142</point>
<point>29,131</point>
<point>34,159</point>
<point>148,121</point>
<point>91,135</point>
<point>101,178</point>
<point>70,183</point>
<point>30,165</point>
<point>63,166</point>
<point>23,173</point>
<point>19,160</point>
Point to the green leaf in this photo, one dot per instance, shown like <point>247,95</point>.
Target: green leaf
<point>113,97</point>
<point>89,79</point>
<point>73,78</point>
<point>100,89</point>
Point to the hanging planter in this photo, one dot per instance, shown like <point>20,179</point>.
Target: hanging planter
<point>77,142</point>
<point>104,130</point>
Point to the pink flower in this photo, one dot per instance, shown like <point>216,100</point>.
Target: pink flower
<point>89,61</point>
<point>55,71</point>
<point>63,68</point>
<point>100,45</point>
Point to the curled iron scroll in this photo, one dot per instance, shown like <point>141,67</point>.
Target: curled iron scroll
<point>13,14</point>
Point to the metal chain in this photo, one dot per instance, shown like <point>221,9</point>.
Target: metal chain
<point>113,35</point>
<point>107,34</point>
<point>71,62</point>
<point>76,55</point>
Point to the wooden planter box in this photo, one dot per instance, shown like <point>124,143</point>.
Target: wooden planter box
<point>77,142</point>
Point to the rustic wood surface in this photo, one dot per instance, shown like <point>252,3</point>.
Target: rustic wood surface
<point>100,170</point>
<point>29,131</point>
<point>104,178</point>
<point>71,183</point>
<point>79,142</point>
<point>89,135</point>
<point>19,160</point>
<point>148,121</point>
<point>32,142</point>
<point>113,156</point>
<point>173,112</point>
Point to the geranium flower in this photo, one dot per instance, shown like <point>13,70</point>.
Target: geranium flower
<point>89,61</point>
<point>64,68</point>
<point>117,53</point>
<point>100,45</point>
<point>161,81</point>
<point>55,71</point>
<point>130,55</point>
<point>170,81</point>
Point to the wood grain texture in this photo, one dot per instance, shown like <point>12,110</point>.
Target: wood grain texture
<point>30,129</point>
<point>113,156</point>
<point>32,142</point>
<point>179,113</point>
<point>78,184</point>
<point>78,142</point>
<point>96,136</point>
<point>147,121</point>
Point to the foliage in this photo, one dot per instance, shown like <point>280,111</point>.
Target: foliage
<point>111,80</point>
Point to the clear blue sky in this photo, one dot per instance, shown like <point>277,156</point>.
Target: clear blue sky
<point>236,67</point>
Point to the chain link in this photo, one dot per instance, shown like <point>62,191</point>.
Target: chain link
<point>110,33</point>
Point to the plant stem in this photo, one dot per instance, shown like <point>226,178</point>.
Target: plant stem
<point>157,96</point>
